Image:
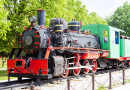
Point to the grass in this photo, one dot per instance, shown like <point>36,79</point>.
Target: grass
<point>102,87</point>
<point>4,75</point>
<point>127,81</point>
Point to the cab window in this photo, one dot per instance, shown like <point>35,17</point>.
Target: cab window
<point>105,36</point>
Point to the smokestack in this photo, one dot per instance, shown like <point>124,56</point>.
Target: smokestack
<point>41,17</point>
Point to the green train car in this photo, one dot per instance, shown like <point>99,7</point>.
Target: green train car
<point>110,39</point>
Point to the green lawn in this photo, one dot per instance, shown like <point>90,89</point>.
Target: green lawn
<point>4,75</point>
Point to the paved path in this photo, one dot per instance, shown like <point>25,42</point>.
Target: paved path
<point>13,79</point>
<point>3,69</point>
<point>123,87</point>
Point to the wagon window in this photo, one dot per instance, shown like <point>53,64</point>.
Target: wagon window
<point>116,37</point>
<point>105,36</point>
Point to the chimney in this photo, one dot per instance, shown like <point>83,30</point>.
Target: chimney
<point>41,17</point>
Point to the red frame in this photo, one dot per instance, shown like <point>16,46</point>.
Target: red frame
<point>35,66</point>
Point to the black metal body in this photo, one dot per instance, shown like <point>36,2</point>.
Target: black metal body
<point>70,39</point>
<point>33,40</point>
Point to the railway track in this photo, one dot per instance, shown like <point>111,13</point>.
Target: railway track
<point>12,85</point>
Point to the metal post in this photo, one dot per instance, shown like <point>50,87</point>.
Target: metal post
<point>123,71</point>
<point>19,79</point>
<point>93,79</point>
<point>38,80</point>
<point>68,83</point>
<point>110,84</point>
<point>32,87</point>
<point>8,78</point>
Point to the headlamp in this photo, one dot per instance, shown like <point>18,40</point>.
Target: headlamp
<point>32,19</point>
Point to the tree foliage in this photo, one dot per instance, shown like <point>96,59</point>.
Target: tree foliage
<point>121,18</point>
<point>4,27</point>
<point>4,23</point>
<point>18,11</point>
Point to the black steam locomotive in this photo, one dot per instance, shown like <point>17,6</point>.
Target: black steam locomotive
<point>55,51</point>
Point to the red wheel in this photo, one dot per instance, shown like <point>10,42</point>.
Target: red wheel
<point>86,70</point>
<point>66,72</point>
<point>77,70</point>
<point>94,67</point>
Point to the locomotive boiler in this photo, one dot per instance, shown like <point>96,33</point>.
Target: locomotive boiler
<point>58,50</point>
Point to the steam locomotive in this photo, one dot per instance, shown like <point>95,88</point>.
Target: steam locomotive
<point>59,50</point>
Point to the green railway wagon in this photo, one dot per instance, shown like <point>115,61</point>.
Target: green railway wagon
<point>109,38</point>
<point>124,46</point>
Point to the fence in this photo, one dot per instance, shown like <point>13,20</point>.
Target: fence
<point>92,82</point>
<point>102,81</point>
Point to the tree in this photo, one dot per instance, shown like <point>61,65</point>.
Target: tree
<point>121,18</point>
<point>4,23</point>
<point>4,27</point>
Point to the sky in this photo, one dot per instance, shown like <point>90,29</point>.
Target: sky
<point>103,8</point>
